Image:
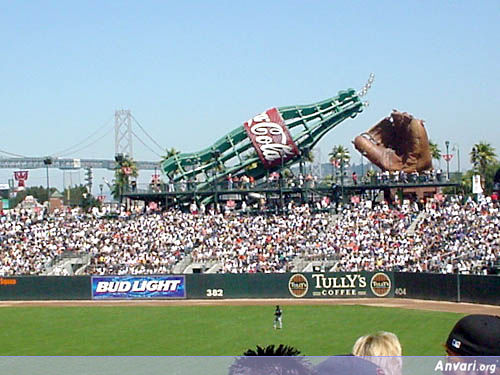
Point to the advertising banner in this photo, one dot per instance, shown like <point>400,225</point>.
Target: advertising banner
<point>138,287</point>
<point>341,285</point>
<point>39,288</point>
<point>271,138</point>
<point>292,285</point>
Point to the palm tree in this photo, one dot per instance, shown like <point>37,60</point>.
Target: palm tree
<point>435,151</point>
<point>170,153</point>
<point>125,168</point>
<point>482,155</point>
<point>307,157</point>
<point>339,156</point>
<point>340,153</point>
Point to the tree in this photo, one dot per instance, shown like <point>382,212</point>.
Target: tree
<point>79,196</point>
<point>489,176</point>
<point>481,156</point>
<point>339,154</point>
<point>435,151</point>
<point>306,156</point>
<point>170,152</point>
<point>124,170</point>
<point>309,157</point>
<point>38,192</point>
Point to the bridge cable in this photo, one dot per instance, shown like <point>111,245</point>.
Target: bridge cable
<point>145,132</point>
<point>90,144</point>
<point>11,154</point>
<point>68,150</point>
<point>149,148</point>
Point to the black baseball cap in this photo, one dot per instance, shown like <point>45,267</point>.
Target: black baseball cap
<point>476,335</point>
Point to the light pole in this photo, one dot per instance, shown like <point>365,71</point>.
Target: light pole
<point>362,167</point>
<point>119,160</point>
<point>455,147</point>
<point>282,175</point>
<point>342,176</point>
<point>48,161</point>
<point>216,154</point>
<point>447,143</point>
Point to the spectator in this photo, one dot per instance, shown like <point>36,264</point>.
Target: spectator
<point>383,349</point>
<point>449,236</point>
<point>475,335</point>
<point>282,360</point>
<point>347,365</point>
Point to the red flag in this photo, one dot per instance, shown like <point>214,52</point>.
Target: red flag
<point>126,170</point>
<point>447,157</point>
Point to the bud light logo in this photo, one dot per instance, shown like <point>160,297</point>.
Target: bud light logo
<point>129,287</point>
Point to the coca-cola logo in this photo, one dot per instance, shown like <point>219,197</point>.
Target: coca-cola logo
<point>271,138</point>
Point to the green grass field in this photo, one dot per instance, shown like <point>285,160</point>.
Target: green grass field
<point>211,330</point>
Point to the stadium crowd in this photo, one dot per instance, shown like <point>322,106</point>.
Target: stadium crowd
<point>445,237</point>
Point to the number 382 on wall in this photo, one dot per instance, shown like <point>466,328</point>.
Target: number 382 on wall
<point>215,293</point>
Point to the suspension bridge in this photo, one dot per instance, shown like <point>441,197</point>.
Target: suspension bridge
<point>123,135</point>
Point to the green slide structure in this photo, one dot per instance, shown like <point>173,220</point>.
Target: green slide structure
<point>277,138</point>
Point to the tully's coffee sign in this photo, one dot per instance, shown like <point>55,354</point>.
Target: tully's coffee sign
<point>341,284</point>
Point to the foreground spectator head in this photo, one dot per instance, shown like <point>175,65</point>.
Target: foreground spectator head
<point>378,344</point>
<point>347,366</point>
<point>271,360</point>
<point>383,349</point>
<point>475,335</point>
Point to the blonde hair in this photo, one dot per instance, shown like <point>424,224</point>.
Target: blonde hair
<point>383,348</point>
<point>378,344</point>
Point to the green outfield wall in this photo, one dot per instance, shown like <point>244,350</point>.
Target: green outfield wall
<point>316,285</point>
<point>291,285</point>
<point>28,288</point>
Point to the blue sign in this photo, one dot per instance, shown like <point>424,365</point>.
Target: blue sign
<point>130,287</point>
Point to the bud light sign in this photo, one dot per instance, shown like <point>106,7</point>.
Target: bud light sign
<point>130,287</point>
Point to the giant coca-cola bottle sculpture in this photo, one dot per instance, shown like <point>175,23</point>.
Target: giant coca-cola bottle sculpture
<point>276,138</point>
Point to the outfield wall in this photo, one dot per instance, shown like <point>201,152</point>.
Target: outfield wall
<point>456,288</point>
<point>33,288</point>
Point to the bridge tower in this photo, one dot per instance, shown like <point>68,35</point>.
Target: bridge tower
<point>123,132</point>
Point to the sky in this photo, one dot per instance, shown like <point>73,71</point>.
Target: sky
<point>192,71</point>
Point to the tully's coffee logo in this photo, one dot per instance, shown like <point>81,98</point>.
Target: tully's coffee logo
<point>380,284</point>
<point>298,285</point>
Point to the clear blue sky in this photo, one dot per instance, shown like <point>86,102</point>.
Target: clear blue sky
<point>193,71</point>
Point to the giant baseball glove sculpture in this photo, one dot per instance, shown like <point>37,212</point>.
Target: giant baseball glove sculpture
<point>397,143</point>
